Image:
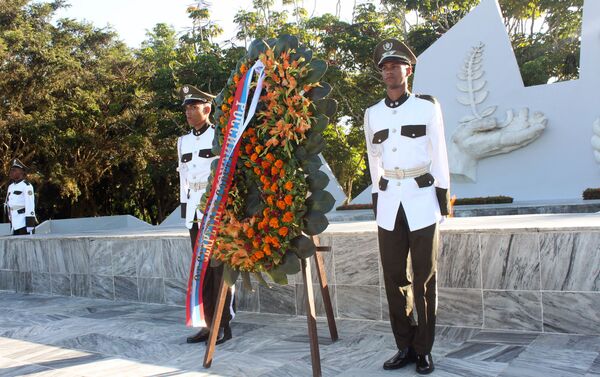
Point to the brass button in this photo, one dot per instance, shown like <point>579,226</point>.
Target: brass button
<point>413,135</point>
<point>394,149</point>
<point>393,130</point>
<point>394,112</point>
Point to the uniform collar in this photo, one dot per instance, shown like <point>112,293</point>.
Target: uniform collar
<point>398,102</point>
<point>199,132</point>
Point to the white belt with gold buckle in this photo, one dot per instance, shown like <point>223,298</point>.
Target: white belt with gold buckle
<point>197,186</point>
<point>405,173</point>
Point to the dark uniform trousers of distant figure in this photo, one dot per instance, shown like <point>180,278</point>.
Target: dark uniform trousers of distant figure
<point>408,164</point>
<point>194,160</point>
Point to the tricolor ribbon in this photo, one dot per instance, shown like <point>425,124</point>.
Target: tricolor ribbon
<point>215,205</point>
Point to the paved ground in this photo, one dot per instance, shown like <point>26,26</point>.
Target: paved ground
<point>63,336</point>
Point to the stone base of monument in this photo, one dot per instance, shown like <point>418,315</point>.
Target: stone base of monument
<point>524,272</point>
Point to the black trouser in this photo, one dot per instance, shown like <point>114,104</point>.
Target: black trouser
<point>210,290</point>
<point>22,231</point>
<point>393,247</point>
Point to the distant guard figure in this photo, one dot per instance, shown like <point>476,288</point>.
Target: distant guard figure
<point>408,163</point>
<point>195,156</point>
<point>20,200</point>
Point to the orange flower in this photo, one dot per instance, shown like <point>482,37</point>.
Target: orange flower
<point>265,164</point>
<point>288,200</point>
<point>248,148</point>
<point>281,173</point>
<point>258,149</point>
<point>267,249</point>
<point>288,217</point>
<point>243,68</point>
<point>255,243</point>
<point>279,164</point>
<point>257,171</point>
<point>289,185</point>
<point>230,100</point>
<point>250,233</point>
<point>270,200</point>
<point>224,108</point>
<point>274,186</point>
<point>274,223</point>
<point>281,204</point>
<point>247,164</point>
<point>236,78</point>
<point>283,231</point>
<point>270,157</point>
<point>254,157</point>
<point>274,171</point>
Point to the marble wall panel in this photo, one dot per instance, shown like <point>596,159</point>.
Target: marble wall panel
<point>177,257</point>
<point>81,285</point>
<point>149,259</point>
<point>41,283</point>
<point>247,300</point>
<point>459,264</point>
<point>100,257</point>
<point>356,260</point>
<point>76,252</point>
<point>460,307</point>
<point>152,290</point>
<point>123,258</point>
<point>574,313</point>
<point>318,297</point>
<point>279,299</point>
<point>8,257</point>
<point>570,261</point>
<point>126,288</point>
<point>512,310</point>
<point>24,282</point>
<point>175,291</point>
<point>57,256</point>
<point>360,302</point>
<point>61,284</point>
<point>510,261</point>
<point>102,286</point>
<point>7,280</point>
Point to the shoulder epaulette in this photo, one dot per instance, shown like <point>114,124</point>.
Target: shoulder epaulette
<point>426,97</point>
<point>27,182</point>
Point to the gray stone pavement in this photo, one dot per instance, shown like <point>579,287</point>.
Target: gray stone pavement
<point>67,336</point>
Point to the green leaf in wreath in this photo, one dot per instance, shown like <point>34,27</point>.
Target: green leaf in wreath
<point>290,264</point>
<point>314,223</point>
<point>257,47</point>
<point>261,279</point>
<point>302,52</point>
<point>326,106</point>
<point>320,123</point>
<point>230,275</point>
<point>300,153</point>
<point>317,180</point>
<point>315,143</point>
<point>254,204</point>
<point>320,201</point>
<point>278,276</point>
<point>303,246</point>
<point>311,164</point>
<point>317,69</point>
<point>285,42</point>
<point>319,92</point>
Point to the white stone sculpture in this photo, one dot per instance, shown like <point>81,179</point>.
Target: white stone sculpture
<point>479,135</point>
<point>596,140</point>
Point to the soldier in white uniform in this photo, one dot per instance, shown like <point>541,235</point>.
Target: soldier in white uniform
<point>20,201</point>
<point>194,152</point>
<point>409,171</point>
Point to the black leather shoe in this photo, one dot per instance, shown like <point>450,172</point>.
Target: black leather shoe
<point>400,359</point>
<point>424,364</point>
<point>224,335</point>
<point>201,336</point>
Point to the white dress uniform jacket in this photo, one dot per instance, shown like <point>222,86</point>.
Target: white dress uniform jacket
<point>195,157</point>
<point>409,136</point>
<point>20,201</point>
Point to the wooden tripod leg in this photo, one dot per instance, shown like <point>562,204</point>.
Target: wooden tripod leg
<point>214,328</point>
<point>326,297</point>
<point>311,318</point>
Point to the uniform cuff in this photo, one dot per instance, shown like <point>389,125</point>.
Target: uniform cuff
<point>30,221</point>
<point>443,197</point>
<point>183,210</point>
